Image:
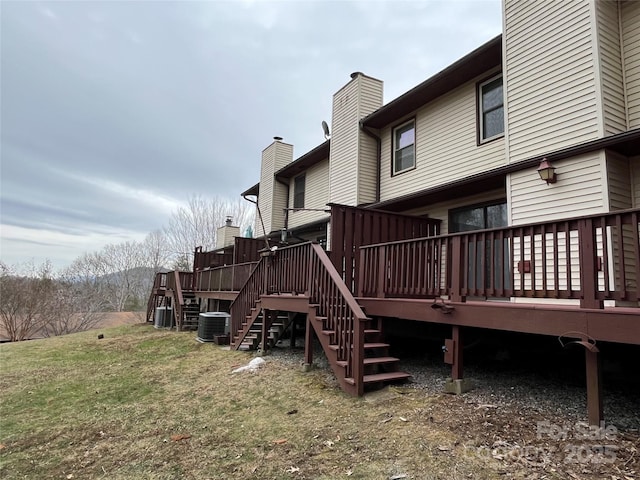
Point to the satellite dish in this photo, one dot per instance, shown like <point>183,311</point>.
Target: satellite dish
<point>325,128</point>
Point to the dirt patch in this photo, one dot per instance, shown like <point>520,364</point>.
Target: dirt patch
<point>117,319</point>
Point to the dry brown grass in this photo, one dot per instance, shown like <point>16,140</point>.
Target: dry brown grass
<point>143,403</point>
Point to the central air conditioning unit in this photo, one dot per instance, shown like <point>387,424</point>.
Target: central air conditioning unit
<point>163,317</point>
<point>211,324</point>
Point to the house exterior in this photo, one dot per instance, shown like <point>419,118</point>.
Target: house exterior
<point>501,193</point>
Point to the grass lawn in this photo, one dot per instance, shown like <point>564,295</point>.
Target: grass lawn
<point>151,404</point>
<point>142,403</point>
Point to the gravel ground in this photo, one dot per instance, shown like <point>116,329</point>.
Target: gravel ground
<point>529,419</point>
<point>536,392</point>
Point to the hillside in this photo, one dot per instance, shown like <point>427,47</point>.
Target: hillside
<point>142,403</point>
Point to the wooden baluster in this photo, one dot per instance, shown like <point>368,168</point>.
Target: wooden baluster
<point>457,265</point>
<point>588,264</point>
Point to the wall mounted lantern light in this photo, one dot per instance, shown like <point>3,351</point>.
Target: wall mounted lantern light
<point>547,171</point>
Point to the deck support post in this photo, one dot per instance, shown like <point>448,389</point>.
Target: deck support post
<point>292,342</point>
<point>456,366</point>
<point>308,345</point>
<point>594,387</point>
<point>266,316</point>
<point>453,356</point>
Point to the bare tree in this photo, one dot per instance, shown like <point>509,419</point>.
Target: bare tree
<point>156,251</point>
<point>196,224</point>
<point>71,308</point>
<point>22,297</point>
<point>118,277</point>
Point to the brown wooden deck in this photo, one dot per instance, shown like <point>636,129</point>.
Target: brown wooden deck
<point>579,278</point>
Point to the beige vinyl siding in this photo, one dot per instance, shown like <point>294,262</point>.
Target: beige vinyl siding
<point>630,14</point>
<point>367,170</point>
<point>316,195</point>
<point>279,204</point>
<point>446,145</point>
<point>440,210</point>
<point>352,172</point>
<point>283,155</point>
<point>578,191</point>
<point>370,100</point>
<point>225,235</point>
<point>635,180</point>
<point>272,198</point>
<point>619,182</point>
<point>612,80</point>
<point>265,195</point>
<point>550,76</point>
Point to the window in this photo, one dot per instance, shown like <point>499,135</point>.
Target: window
<point>488,262</point>
<point>491,109</point>
<point>298,191</point>
<point>404,147</point>
<point>478,217</point>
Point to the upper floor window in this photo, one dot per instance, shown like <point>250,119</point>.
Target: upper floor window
<point>404,147</point>
<point>298,191</point>
<point>491,109</point>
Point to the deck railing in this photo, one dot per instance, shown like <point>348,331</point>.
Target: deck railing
<point>248,295</point>
<point>160,281</point>
<point>177,283</point>
<point>289,269</point>
<point>343,316</point>
<point>223,279</point>
<point>307,270</point>
<point>590,259</point>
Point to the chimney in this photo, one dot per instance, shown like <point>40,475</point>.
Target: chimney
<point>225,235</point>
<point>272,198</point>
<point>353,162</point>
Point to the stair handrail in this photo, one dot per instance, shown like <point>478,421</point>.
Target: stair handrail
<point>247,297</point>
<point>326,289</point>
<point>344,314</point>
<point>175,288</point>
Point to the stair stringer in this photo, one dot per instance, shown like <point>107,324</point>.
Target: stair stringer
<point>255,314</point>
<point>332,355</point>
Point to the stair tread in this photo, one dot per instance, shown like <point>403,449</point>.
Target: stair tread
<point>370,331</point>
<point>372,361</point>
<point>366,345</point>
<point>376,345</point>
<point>380,377</point>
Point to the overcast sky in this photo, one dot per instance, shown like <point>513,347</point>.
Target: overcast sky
<point>114,113</point>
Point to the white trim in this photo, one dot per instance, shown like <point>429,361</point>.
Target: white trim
<point>482,140</point>
<point>394,149</point>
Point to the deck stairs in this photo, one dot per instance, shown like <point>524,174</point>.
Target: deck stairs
<point>302,279</point>
<point>379,368</point>
<point>250,337</point>
<point>155,300</point>
<point>190,311</point>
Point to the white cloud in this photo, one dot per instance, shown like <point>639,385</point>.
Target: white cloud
<point>162,203</point>
<point>47,12</point>
<point>19,244</point>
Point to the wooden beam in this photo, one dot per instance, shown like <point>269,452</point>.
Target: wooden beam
<point>619,324</point>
